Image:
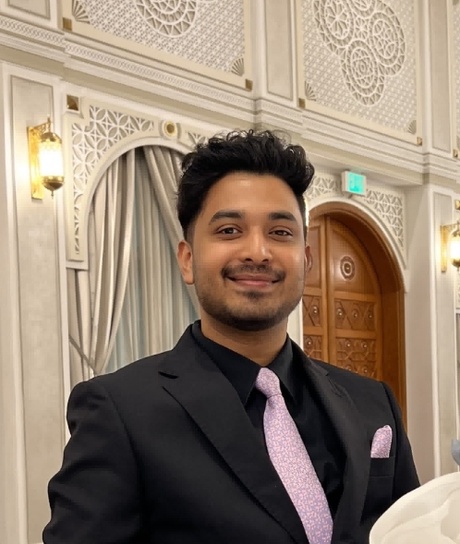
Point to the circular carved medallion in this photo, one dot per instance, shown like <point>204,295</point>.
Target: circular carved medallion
<point>347,267</point>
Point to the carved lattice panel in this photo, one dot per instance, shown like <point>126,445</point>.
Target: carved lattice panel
<point>359,58</point>
<point>358,355</point>
<point>354,315</point>
<point>313,345</point>
<point>209,33</point>
<point>97,135</point>
<point>311,310</point>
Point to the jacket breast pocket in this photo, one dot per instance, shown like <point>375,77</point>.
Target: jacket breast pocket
<point>382,467</point>
<point>379,494</point>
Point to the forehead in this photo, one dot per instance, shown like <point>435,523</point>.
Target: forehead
<point>251,193</point>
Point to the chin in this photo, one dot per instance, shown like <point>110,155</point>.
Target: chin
<point>251,322</point>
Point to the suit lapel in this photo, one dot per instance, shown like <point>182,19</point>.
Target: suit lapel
<point>346,420</point>
<point>203,391</point>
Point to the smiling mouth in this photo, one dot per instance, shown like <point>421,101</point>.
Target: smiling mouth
<point>256,277</point>
<point>254,281</point>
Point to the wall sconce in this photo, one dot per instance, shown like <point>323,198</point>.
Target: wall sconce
<point>45,159</point>
<point>450,246</point>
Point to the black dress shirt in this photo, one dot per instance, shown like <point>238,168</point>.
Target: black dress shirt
<point>305,407</point>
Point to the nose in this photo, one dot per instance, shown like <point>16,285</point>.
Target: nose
<point>256,248</point>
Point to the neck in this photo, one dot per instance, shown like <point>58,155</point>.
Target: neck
<point>258,346</point>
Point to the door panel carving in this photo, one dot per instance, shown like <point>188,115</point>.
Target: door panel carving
<point>342,301</point>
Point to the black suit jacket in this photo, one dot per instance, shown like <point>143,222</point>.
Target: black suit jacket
<point>163,452</point>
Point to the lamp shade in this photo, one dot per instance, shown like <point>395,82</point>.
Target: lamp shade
<point>51,166</point>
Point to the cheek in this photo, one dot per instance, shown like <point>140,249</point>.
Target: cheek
<point>296,258</point>
<point>297,266</point>
<point>212,260</point>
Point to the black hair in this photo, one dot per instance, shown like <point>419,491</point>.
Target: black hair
<point>264,152</point>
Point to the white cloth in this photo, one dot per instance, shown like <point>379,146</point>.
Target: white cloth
<point>427,515</point>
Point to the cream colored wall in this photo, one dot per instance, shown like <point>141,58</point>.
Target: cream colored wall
<point>40,65</point>
<point>39,307</point>
<point>33,372</point>
<point>444,312</point>
<point>12,459</point>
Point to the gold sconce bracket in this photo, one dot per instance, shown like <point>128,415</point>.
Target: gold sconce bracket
<point>33,137</point>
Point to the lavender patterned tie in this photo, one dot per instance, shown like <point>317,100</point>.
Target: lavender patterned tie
<point>292,462</point>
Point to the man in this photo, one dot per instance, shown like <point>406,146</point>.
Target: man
<point>189,446</point>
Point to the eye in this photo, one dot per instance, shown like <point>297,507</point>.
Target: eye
<point>282,232</point>
<point>229,231</point>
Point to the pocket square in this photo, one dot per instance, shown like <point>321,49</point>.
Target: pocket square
<point>381,443</point>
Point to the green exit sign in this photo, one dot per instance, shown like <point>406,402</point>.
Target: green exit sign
<point>353,183</point>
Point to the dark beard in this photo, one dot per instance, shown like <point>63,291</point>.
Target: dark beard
<point>250,323</point>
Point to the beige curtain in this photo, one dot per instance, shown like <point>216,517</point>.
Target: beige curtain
<point>96,295</point>
<point>132,300</point>
<point>157,306</point>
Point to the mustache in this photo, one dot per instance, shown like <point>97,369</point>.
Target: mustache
<point>231,271</point>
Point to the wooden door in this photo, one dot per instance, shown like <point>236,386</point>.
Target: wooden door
<point>342,301</point>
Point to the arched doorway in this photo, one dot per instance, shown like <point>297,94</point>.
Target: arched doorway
<point>353,302</point>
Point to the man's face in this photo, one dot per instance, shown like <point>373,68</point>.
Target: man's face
<point>247,257</point>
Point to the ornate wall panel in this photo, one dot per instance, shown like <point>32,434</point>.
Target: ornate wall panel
<point>207,33</point>
<point>359,59</point>
<point>99,134</point>
<point>456,29</point>
<point>32,7</point>
<point>385,205</point>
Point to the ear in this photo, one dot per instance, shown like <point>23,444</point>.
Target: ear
<point>308,259</point>
<point>185,260</point>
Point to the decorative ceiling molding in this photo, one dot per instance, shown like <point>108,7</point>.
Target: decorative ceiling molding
<point>96,59</point>
<point>365,145</point>
<point>269,113</point>
<point>32,32</point>
<point>184,87</point>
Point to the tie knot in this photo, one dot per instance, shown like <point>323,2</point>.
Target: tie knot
<point>267,382</point>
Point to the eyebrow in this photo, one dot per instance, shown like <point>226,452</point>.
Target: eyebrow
<point>235,214</point>
<point>287,216</point>
<point>226,214</point>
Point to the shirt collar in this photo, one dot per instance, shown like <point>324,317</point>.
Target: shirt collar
<point>241,371</point>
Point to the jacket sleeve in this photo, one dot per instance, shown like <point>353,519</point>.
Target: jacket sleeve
<point>405,478</point>
<point>95,497</point>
